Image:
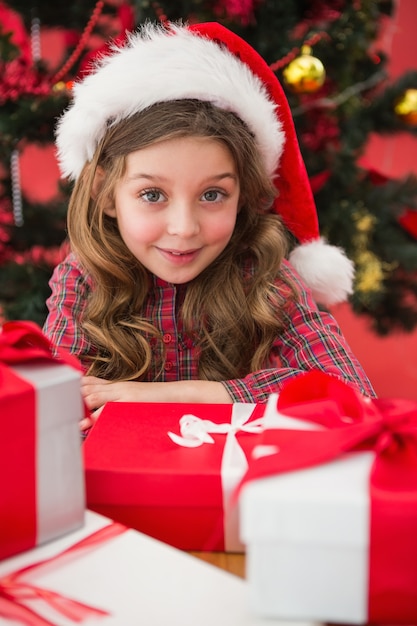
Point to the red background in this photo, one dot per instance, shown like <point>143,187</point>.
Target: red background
<point>390,362</point>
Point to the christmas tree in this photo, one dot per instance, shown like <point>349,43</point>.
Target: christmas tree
<point>326,56</point>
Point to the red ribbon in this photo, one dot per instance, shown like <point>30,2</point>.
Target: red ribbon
<point>24,341</point>
<point>18,525</point>
<point>389,428</point>
<point>14,591</point>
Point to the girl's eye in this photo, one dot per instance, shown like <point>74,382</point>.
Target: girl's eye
<point>151,195</point>
<point>213,195</point>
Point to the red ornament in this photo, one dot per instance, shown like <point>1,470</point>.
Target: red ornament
<point>322,131</point>
<point>408,221</point>
<point>18,78</point>
<point>318,181</point>
<point>241,9</point>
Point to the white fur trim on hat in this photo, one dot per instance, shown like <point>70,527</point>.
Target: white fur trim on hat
<point>158,65</point>
<point>325,269</point>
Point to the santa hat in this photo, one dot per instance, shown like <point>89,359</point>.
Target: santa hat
<point>208,62</point>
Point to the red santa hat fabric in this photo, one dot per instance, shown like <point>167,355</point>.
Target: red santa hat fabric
<point>208,62</point>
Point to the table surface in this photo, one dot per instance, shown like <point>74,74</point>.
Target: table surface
<point>231,562</point>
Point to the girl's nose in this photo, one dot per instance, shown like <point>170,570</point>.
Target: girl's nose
<point>183,220</point>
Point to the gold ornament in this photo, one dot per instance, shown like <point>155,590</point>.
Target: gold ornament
<point>59,86</point>
<point>406,107</point>
<point>62,86</point>
<point>305,74</point>
<point>365,222</point>
<point>369,273</point>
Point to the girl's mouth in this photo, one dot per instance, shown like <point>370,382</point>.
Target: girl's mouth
<point>179,257</point>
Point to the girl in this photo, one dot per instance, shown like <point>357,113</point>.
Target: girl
<point>189,194</point>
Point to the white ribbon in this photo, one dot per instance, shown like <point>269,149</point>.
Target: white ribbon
<point>195,432</point>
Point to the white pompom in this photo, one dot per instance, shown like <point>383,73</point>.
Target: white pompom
<point>325,269</point>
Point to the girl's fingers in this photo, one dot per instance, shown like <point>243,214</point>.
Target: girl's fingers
<point>85,424</point>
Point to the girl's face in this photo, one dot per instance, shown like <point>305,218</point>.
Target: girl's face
<point>177,204</point>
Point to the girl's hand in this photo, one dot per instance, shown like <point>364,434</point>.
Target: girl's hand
<point>97,391</point>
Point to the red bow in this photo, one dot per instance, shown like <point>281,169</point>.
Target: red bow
<point>24,341</point>
<point>353,423</point>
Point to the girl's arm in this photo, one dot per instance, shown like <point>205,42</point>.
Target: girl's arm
<point>312,340</point>
<point>97,392</point>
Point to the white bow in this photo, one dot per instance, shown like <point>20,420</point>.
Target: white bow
<point>196,432</point>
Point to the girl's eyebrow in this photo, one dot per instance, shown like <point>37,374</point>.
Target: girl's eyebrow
<point>158,177</point>
<point>225,175</point>
<point>146,176</point>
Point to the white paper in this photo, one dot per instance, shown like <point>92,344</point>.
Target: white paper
<point>141,581</point>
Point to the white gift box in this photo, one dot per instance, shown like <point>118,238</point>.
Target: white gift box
<point>53,502</point>
<point>137,580</point>
<point>307,537</point>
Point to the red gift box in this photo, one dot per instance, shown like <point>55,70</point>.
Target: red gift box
<point>41,477</point>
<point>137,475</point>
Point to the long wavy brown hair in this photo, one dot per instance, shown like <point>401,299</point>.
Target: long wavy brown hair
<point>232,310</point>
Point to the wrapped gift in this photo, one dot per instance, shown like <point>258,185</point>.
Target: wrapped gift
<point>169,470</point>
<point>329,507</point>
<point>42,493</point>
